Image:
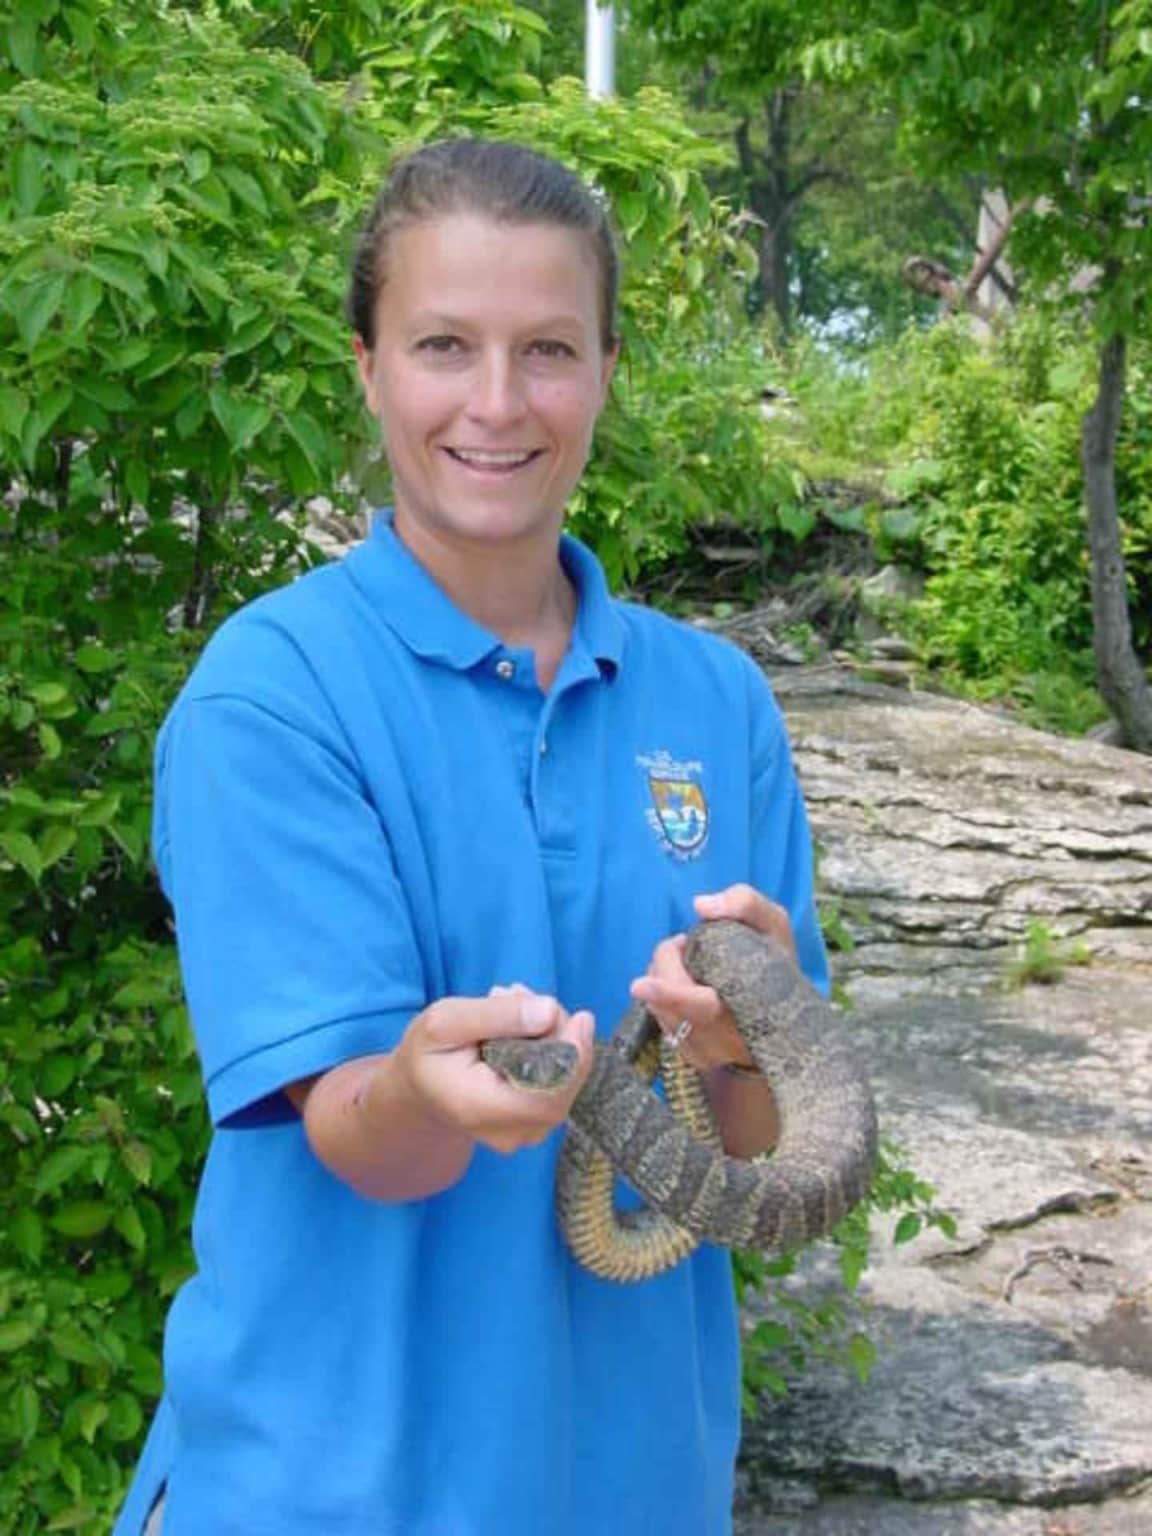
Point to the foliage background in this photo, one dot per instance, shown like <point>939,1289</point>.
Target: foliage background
<point>180,192</point>
<point>179,197</point>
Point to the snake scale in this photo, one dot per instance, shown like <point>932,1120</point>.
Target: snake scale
<point>668,1150</point>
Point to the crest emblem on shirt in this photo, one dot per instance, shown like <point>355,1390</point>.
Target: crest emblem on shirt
<point>678,812</point>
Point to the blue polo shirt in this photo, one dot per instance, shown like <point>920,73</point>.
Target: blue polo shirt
<point>364,803</point>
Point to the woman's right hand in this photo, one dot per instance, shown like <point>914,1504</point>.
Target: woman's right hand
<point>439,1063</point>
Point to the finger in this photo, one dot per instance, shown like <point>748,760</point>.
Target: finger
<point>459,1021</point>
<point>670,999</point>
<point>743,903</point>
<point>668,959</point>
<point>579,1029</point>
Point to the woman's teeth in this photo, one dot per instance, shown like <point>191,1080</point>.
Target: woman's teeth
<point>481,458</point>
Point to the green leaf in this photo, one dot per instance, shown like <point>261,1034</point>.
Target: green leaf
<point>37,305</point>
<point>13,410</point>
<point>56,1074</point>
<point>26,1411</point>
<point>241,419</point>
<point>127,1222</point>
<point>797,518</point>
<point>208,197</point>
<point>252,333</point>
<point>908,1227</point>
<point>23,43</point>
<point>85,295</point>
<point>49,738</point>
<point>100,810</point>
<point>136,481</point>
<point>137,1157</point>
<point>76,1517</point>
<point>17,1333</point>
<point>308,436</point>
<point>47,694</point>
<point>106,392</point>
<point>52,404</point>
<point>26,1233</point>
<point>861,1356</point>
<point>59,1166</point>
<point>321,331</point>
<point>27,176</point>
<point>118,273</point>
<point>246,188</point>
<point>92,1415</point>
<point>125,1418</point>
<point>23,852</point>
<point>73,1344</point>
<point>201,275</point>
<point>91,657</point>
<point>80,1218</point>
<point>56,843</point>
<point>163,356</point>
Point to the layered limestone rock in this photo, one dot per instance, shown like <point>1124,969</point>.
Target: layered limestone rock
<point>1012,1392</point>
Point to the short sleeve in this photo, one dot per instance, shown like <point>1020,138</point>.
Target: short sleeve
<point>295,939</point>
<point>781,839</point>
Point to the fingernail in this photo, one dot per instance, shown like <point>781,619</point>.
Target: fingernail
<point>709,903</point>
<point>642,989</point>
<point>537,1013</point>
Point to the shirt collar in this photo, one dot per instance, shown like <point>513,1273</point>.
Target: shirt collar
<point>429,622</point>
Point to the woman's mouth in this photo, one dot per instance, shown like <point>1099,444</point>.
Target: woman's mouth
<point>494,461</point>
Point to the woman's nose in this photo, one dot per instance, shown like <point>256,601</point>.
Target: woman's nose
<point>497,394</point>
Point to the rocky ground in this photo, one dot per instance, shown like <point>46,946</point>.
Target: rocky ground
<point>1012,1392</point>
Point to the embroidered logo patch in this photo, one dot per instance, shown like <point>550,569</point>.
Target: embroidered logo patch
<point>678,813</point>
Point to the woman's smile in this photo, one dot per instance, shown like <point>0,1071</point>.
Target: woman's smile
<point>492,461</point>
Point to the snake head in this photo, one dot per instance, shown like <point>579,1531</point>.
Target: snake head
<point>541,1066</point>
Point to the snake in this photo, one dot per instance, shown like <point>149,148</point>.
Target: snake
<point>668,1148</point>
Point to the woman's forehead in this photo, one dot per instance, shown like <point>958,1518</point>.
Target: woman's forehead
<point>458,263</point>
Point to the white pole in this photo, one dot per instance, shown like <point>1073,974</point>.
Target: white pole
<point>599,48</point>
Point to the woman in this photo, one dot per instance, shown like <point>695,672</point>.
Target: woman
<point>444,791</point>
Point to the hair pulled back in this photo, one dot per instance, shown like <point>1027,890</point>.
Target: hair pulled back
<point>503,181</point>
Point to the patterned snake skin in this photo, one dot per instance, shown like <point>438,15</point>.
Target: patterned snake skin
<point>668,1149</point>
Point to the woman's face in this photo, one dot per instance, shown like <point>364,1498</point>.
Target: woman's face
<point>487,376</point>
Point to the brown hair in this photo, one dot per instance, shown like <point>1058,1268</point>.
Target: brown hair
<point>503,181</point>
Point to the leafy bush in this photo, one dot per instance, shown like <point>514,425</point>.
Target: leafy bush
<point>176,206</point>
<point>179,195</point>
<point>980,445</point>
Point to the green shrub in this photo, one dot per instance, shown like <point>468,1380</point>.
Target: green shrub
<point>176,207</point>
<point>177,202</point>
<point>980,447</point>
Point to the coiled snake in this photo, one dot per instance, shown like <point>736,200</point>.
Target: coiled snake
<point>823,1160</point>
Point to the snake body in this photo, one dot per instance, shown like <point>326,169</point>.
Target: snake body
<point>668,1151</point>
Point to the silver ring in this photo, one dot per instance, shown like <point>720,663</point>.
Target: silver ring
<point>678,1036</point>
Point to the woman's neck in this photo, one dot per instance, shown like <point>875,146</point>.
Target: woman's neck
<point>518,590</point>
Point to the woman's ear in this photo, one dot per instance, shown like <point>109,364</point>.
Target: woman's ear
<point>364,366</point>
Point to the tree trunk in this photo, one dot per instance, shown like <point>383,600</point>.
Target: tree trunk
<point>775,278</point>
<point>768,189</point>
<point>1119,674</point>
<point>202,587</point>
<point>775,261</point>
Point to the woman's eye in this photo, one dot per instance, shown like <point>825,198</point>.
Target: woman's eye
<point>439,344</point>
<point>545,348</point>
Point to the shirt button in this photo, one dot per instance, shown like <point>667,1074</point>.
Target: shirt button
<point>543,746</point>
<point>505,669</point>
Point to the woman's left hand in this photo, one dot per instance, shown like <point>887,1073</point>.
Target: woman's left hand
<point>693,1013</point>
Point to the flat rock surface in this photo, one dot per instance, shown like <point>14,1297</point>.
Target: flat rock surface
<point>1012,1391</point>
